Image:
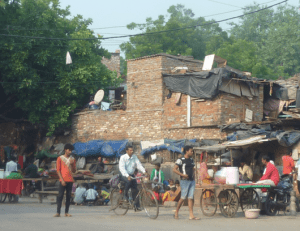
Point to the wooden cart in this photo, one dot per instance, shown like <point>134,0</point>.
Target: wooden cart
<point>228,198</point>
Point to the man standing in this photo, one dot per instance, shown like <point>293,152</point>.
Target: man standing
<point>185,168</point>
<point>127,165</point>
<point>65,166</point>
<point>246,171</point>
<point>288,163</point>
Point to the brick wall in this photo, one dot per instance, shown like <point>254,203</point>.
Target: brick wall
<point>117,125</point>
<point>144,84</point>
<point>233,108</point>
<point>113,63</point>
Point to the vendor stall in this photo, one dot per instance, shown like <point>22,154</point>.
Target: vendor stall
<point>8,188</point>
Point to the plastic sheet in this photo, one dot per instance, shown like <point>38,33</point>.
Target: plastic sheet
<point>110,148</point>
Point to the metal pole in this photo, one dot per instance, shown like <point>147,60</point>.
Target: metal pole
<point>231,158</point>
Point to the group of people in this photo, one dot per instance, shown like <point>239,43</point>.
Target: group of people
<point>89,193</point>
<point>184,167</point>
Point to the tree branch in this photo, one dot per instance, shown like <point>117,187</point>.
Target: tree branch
<point>12,120</point>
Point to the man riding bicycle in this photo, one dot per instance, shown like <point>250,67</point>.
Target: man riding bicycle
<point>127,165</point>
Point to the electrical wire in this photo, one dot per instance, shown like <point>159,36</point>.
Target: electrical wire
<point>149,33</point>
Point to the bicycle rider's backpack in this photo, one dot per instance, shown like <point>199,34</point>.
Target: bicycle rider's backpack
<point>114,181</point>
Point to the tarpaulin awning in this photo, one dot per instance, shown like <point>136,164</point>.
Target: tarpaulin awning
<point>169,144</point>
<point>112,148</point>
<point>207,84</point>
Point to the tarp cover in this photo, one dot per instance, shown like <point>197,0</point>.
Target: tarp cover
<point>204,84</point>
<point>169,144</point>
<point>288,139</point>
<point>105,148</point>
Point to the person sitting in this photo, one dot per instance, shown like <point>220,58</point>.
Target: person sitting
<point>11,165</point>
<point>97,168</point>
<point>79,194</point>
<point>271,176</point>
<point>104,196</point>
<point>158,177</point>
<point>288,164</point>
<point>169,195</point>
<point>156,193</point>
<point>31,171</point>
<point>171,184</point>
<point>245,171</point>
<point>177,184</point>
<point>137,174</point>
<point>91,195</point>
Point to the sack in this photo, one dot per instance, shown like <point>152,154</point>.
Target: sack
<point>114,181</point>
<point>81,163</point>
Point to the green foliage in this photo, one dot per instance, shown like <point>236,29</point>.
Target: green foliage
<point>190,41</point>
<point>275,33</point>
<point>35,70</point>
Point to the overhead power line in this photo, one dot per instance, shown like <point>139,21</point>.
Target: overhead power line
<point>149,33</point>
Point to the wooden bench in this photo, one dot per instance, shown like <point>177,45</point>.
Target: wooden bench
<point>42,193</point>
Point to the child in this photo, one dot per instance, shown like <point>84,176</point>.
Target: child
<point>156,193</point>
<point>79,194</point>
<point>91,195</point>
<point>177,184</point>
<point>170,194</point>
<point>104,197</point>
<point>158,177</point>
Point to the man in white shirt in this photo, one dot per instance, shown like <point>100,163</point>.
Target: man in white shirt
<point>12,166</point>
<point>127,165</point>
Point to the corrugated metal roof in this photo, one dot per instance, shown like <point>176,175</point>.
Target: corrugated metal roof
<point>185,58</point>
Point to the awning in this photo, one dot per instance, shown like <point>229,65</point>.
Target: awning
<point>235,144</point>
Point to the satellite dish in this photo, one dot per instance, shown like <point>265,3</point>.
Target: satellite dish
<point>99,96</point>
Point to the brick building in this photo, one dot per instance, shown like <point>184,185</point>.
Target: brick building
<point>152,113</point>
<point>113,63</point>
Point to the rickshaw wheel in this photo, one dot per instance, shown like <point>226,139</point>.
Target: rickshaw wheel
<point>229,203</point>
<point>208,202</point>
<point>249,199</point>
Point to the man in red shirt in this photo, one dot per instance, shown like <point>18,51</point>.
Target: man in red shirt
<point>288,163</point>
<point>65,166</point>
<point>271,175</point>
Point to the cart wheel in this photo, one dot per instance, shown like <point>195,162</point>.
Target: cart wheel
<point>208,202</point>
<point>249,199</point>
<point>2,197</point>
<point>229,203</point>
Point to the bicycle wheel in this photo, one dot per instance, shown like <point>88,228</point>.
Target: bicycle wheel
<point>208,202</point>
<point>229,203</point>
<point>117,205</point>
<point>249,199</point>
<point>150,204</point>
<point>2,197</point>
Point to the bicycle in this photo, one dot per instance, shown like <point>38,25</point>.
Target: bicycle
<point>147,198</point>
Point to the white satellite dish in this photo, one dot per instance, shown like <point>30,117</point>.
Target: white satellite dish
<point>99,96</point>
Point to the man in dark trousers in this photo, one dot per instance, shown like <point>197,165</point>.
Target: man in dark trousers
<point>185,168</point>
<point>65,166</point>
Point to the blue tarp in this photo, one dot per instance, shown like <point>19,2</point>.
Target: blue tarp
<point>171,145</point>
<point>105,148</point>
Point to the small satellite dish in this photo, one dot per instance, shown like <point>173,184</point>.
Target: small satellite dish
<point>99,96</point>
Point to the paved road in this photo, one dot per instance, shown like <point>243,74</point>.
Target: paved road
<point>30,215</point>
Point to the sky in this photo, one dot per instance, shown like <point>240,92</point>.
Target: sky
<point>119,13</point>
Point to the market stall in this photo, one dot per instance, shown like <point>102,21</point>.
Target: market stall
<point>8,188</point>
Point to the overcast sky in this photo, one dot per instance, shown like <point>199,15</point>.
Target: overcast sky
<point>119,13</point>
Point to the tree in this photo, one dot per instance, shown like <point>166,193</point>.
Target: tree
<point>242,55</point>
<point>191,41</point>
<point>275,33</point>
<point>34,72</point>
